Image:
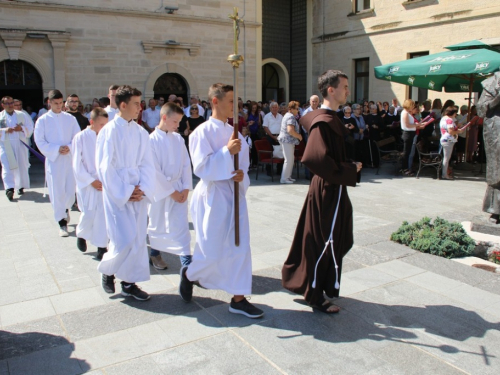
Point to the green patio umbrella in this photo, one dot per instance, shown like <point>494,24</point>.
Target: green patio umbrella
<point>460,70</point>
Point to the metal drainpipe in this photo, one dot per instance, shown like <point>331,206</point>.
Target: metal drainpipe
<point>323,37</point>
<point>244,52</point>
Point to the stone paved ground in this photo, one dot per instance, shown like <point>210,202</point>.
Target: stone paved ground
<point>403,312</point>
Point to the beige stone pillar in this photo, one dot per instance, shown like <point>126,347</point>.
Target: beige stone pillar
<point>58,42</point>
<point>13,41</point>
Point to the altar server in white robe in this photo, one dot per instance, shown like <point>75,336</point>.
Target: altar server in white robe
<point>126,170</point>
<point>92,224</point>
<point>168,228</point>
<point>217,262</point>
<point>54,133</point>
<point>15,127</point>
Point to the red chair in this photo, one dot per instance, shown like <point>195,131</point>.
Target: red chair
<point>298,153</point>
<point>265,156</point>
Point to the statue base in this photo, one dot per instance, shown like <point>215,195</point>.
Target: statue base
<point>482,224</point>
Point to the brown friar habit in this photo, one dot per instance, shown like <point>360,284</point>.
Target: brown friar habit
<point>325,156</point>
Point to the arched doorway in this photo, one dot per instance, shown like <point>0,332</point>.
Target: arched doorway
<point>22,81</point>
<point>274,81</point>
<point>171,83</point>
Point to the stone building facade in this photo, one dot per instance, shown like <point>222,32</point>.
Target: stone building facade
<point>357,35</point>
<point>85,46</point>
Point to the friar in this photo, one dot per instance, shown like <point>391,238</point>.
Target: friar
<point>488,107</point>
<point>324,232</point>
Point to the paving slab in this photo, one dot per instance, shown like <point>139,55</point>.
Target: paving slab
<point>401,311</point>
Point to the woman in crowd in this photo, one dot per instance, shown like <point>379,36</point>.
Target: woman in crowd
<point>359,141</point>
<point>448,139</point>
<point>88,109</point>
<point>436,108</point>
<point>195,119</point>
<point>476,126</point>
<point>409,127</point>
<point>351,129</point>
<point>253,124</point>
<point>366,109</point>
<point>289,137</point>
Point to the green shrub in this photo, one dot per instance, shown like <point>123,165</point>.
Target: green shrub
<point>439,237</point>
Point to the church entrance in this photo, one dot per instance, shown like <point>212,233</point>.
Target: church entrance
<point>274,82</point>
<point>22,81</point>
<point>171,83</point>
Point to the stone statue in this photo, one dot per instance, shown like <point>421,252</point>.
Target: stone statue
<point>488,107</point>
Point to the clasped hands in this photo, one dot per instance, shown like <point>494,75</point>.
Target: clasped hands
<point>180,196</point>
<point>137,195</point>
<point>17,128</point>
<point>64,150</point>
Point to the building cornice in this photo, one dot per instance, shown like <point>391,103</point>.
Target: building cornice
<point>50,7</point>
<point>394,27</point>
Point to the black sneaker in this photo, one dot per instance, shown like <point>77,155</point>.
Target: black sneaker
<point>108,283</point>
<point>10,194</point>
<point>100,253</point>
<point>245,308</point>
<point>185,286</point>
<point>20,191</point>
<point>81,244</point>
<point>132,290</point>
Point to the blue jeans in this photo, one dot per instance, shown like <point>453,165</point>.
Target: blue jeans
<point>185,259</point>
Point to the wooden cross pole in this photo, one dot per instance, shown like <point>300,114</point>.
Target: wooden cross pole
<point>235,59</point>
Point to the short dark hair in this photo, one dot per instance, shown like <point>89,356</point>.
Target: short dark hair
<point>55,94</point>
<point>450,111</point>
<point>98,112</point>
<point>219,90</point>
<point>124,94</point>
<point>73,96</point>
<point>104,101</point>
<point>170,108</point>
<point>330,78</point>
<point>113,87</point>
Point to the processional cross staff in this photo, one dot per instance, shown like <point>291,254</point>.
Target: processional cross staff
<point>235,59</point>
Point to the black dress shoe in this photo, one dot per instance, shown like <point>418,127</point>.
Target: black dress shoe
<point>10,194</point>
<point>100,253</point>
<point>20,191</point>
<point>81,244</point>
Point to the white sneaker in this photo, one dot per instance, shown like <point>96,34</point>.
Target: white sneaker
<point>286,182</point>
<point>292,179</point>
<point>63,231</point>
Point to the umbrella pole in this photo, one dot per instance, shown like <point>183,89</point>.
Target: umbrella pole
<point>471,83</point>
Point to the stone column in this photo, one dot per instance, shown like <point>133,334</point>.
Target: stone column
<point>13,41</point>
<point>58,42</point>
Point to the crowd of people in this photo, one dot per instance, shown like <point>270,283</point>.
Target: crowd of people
<point>130,169</point>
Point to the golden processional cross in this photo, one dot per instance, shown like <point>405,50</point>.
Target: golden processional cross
<point>235,61</point>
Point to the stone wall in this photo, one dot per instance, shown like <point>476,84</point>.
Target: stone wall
<point>393,30</point>
<point>106,46</point>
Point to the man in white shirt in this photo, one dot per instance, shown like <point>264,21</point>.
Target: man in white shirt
<point>15,126</point>
<point>313,104</point>
<point>161,101</point>
<point>112,109</point>
<point>45,107</point>
<point>151,116</point>
<point>272,126</point>
<point>195,100</point>
<point>54,133</point>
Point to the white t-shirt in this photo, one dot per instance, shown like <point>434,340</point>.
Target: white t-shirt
<point>151,117</point>
<point>273,123</point>
<point>406,119</point>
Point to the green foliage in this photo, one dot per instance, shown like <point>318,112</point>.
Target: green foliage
<point>439,237</point>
